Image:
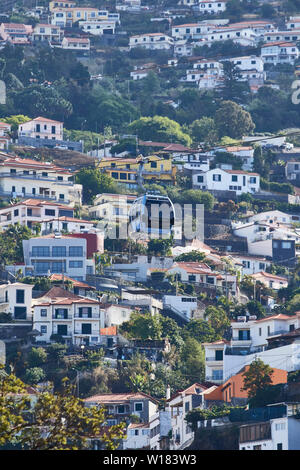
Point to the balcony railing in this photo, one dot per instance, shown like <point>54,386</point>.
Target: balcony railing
<point>61,317</point>
<point>214,359</point>
<point>210,378</point>
<point>11,194</point>
<point>87,315</point>
<point>242,339</point>
<point>34,177</point>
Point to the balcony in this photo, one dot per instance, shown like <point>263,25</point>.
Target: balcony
<point>61,317</point>
<point>214,360</point>
<point>10,194</point>
<point>34,177</point>
<point>210,378</point>
<point>83,316</point>
<point>241,342</point>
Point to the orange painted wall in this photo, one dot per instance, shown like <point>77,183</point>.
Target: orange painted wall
<point>237,382</point>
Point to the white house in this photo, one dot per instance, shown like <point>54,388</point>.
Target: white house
<point>270,280</point>
<point>143,435</point>
<point>33,211</point>
<point>292,170</point>
<point>274,217</point>
<point>5,138</point>
<point>194,31</point>
<point>248,63</point>
<point>98,28</point>
<point>60,254</point>
<point>41,128</point>
<point>252,264</point>
<point>76,44</point>
<point>227,180</point>
<point>172,417</point>
<point>280,52</point>
<point>135,297</point>
<point>77,319</point>
<point>280,433</point>
<point>15,298</point>
<point>111,207</point>
<point>47,32</point>
<point>154,41</point>
<point>201,274</point>
<point>184,305</point>
<point>207,7</point>
<point>116,314</point>
<point>293,23</point>
<point>182,48</point>
<point>244,36</point>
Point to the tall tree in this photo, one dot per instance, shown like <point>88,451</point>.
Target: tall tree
<point>233,88</point>
<point>257,377</point>
<point>233,121</point>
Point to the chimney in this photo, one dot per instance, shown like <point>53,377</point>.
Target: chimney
<point>168,392</point>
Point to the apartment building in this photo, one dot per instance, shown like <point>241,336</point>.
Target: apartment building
<point>244,36</point>
<point>58,254</point>
<point>60,312</point>
<point>75,14</point>
<point>280,52</point>
<point>153,41</point>
<point>227,180</point>
<point>26,178</point>
<point>125,171</point>
<point>47,32</point>
<point>16,33</point>
<point>282,36</point>
<point>16,298</point>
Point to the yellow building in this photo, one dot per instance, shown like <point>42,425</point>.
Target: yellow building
<point>74,14</point>
<point>125,170</point>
